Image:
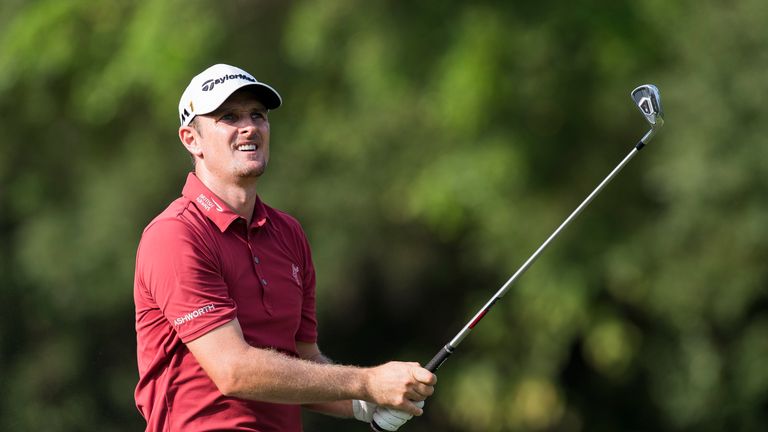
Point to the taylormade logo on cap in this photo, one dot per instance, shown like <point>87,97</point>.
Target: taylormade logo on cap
<point>209,89</point>
<point>211,83</point>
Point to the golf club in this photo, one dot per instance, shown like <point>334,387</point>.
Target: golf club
<point>648,100</point>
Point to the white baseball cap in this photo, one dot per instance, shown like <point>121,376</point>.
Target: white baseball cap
<point>208,90</point>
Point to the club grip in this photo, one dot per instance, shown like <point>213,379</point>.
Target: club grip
<point>439,359</point>
<point>432,366</point>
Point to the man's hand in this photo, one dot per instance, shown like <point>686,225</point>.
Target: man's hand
<point>382,419</point>
<point>363,410</point>
<point>388,419</point>
<point>399,385</point>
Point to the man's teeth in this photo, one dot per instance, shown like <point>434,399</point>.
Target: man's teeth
<point>247,147</point>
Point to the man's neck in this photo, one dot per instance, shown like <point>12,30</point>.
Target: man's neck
<point>239,196</point>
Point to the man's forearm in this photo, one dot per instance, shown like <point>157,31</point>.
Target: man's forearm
<point>271,376</point>
<point>244,371</point>
<point>342,408</point>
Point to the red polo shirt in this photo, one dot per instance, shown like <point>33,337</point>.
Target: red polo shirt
<point>198,267</point>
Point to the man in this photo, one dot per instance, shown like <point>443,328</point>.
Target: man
<point>225,291</point>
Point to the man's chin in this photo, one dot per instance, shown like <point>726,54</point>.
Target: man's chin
<point>252,173</point>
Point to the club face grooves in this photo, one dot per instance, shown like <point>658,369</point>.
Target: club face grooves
<point>648,101</point>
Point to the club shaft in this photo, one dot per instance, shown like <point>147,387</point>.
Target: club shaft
<point>448,349</point>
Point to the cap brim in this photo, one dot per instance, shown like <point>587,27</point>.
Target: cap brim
<point>265,94</point>
<point>262,92</point>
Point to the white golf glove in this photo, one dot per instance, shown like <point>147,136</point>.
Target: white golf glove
<point>363,410</point>
<point>390,419</point>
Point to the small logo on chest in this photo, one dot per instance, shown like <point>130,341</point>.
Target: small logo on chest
<point>295,273</point>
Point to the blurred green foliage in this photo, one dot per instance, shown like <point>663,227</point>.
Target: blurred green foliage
<point>428,148</point>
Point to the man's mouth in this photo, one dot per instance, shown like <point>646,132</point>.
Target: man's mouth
<point>247,147</point>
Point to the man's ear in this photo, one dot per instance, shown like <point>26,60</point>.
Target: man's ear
<point>190,138</point>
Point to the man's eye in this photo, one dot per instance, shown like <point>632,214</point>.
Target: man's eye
<point>227,117</point>
<point>257,115</point>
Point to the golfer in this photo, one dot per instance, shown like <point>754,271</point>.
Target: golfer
<point>225,291</point>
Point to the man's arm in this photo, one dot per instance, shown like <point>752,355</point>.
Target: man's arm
<point>241,370</point>
<point>342,408</point>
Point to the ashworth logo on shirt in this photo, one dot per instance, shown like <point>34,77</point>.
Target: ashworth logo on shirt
<point>207,203</point>
<point>208,85</point>
<point>194,314</point>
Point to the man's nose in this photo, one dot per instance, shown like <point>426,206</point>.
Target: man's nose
<point>248,126</point>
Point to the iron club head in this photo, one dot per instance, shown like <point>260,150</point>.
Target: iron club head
<point>648,101</point>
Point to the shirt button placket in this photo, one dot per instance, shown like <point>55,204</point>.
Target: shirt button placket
<point>256,261</point>
<point>250,239</point>
<point>262,280</point>
<point>265,299</point>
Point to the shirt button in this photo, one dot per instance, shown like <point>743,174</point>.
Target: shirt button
<point>256,259</point>
<point>264,282</point>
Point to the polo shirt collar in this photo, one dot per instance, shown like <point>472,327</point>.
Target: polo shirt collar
<point>259,214</point>
<point>215,208</point>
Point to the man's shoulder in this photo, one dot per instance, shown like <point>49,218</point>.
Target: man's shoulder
<point>179,215</point>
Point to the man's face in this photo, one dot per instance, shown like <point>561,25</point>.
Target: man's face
<point>234,139</point>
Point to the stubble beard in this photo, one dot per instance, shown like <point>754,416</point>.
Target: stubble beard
<point>251,172</point>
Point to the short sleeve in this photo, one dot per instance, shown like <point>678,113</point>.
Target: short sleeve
<point>181,274</point>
